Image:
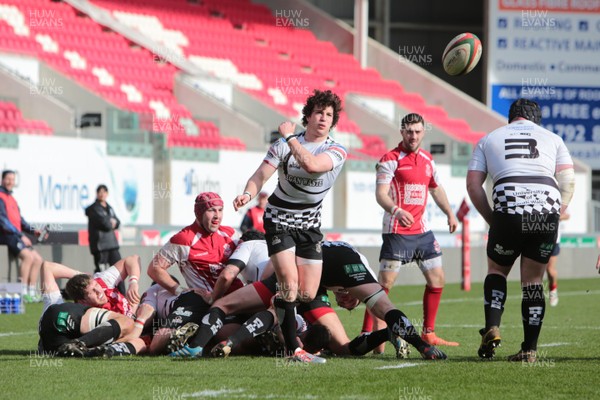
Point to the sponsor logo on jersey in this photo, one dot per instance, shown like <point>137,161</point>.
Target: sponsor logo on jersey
<point>337,154</point>
<point>428,170</point>
<point>275,240</point>
<point>199,254</point>
<point>182,312</point>
<point>414,193</point>
<point>405,168</point>
<point>298,180</point>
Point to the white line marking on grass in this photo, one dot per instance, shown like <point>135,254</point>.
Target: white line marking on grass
<point>17,333</point>
<point>554,344</point>
<point>584,328</point>
<point>514,296</point>
<point>240,394</point>
<point>407,365</point>
<point>214,393</point>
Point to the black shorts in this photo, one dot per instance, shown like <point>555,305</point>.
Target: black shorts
<point>189,307</point>
<point>531,236</point>
<point>316,308</point>
<point>407,248</point>
<point>60,324</point>
<point>306,241</point>
<point>556,250</point>
<point>344,267</point>
<point>14,243</point>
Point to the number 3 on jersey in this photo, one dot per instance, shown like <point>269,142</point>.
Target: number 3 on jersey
<point>521,148</point>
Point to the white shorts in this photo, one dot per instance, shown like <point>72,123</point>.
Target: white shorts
<point>424,265</point>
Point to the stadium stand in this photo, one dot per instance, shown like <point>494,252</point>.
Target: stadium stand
<point>234,40</point>
<point>107,64</point>
<point>11,121</point>
<point>246,44</point>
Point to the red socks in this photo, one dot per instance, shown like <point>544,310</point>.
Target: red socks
<point>431,303</point>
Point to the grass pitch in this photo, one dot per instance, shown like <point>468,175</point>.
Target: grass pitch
<point>567,367</point>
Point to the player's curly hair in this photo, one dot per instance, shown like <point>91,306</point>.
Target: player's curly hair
<point>76,286</point>
<point>322,99</point>
<point>252,234</point>
<point>317,338</point>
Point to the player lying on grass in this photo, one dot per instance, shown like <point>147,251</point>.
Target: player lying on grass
<point>344,269</point>
<point>159,315</point>
<point>67,329</point>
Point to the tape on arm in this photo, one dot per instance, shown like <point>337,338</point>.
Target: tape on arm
<point>566,184</point>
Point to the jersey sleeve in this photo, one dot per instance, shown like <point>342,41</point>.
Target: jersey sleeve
<point>150,296</point>
<point>385,171</point>
<point>275,153</point>
<point>435,179</point>
<point>111,277</point>
<point>174,253</point>
<point>478,161</point>
<point>563,157</point>
<point>337,153</point>
<point>241,255</point>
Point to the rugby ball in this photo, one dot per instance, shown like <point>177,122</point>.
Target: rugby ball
<point>462,54</point>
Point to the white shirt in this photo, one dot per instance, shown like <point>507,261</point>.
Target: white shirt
<point>521,159</point>
<point>160,299</point>
<point>251,258</point>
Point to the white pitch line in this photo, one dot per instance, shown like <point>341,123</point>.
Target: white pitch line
<point>582,328</point>
<point>553,344</point>
<point>241,394</point>
<point>407,365</point>
<point>214,393</point>
<point>6,334</point>
<point>515,296</point>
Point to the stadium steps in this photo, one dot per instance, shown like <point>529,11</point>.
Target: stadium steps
<point>11,121</point>
<point>216,32</point>
<point>130,78</point>
<point>219,38</point>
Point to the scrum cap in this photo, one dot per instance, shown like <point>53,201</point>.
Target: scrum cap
<point>204,201</point>
<point>527,109</point>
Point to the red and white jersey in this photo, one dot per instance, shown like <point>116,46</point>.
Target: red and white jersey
<point>160,299</point>
<point>410,176</point>
<point>201,255</point>
<point>118,303</point>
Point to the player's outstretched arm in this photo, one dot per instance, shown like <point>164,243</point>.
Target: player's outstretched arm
<point>254,185</point>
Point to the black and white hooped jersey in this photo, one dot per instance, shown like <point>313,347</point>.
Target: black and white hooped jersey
<point>521,159</point>
<point>297,199</point>
<point>251,258</point>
